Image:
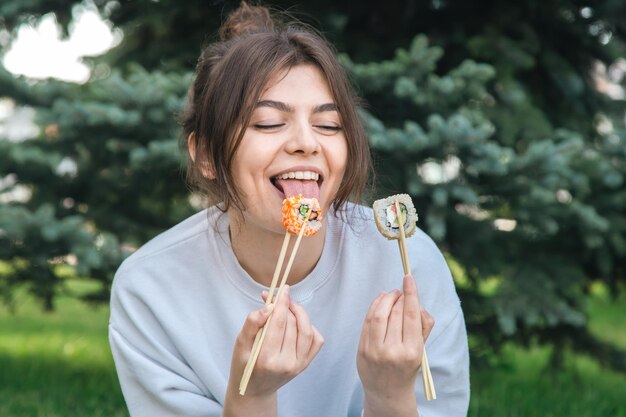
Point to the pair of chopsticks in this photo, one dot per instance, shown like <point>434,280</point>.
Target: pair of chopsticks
<point>427,377</point>
<point>260,336</point>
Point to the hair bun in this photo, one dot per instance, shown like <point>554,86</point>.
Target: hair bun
<point>246,19</point>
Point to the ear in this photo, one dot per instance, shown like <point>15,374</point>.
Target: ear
<point>206,168</point>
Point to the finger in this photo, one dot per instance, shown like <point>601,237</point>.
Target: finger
<point>374,305</point>
<point>255,321</point>
<point>275,332</point>
<point>316,345</point>
<point>252,327</point>
<point>394,326</point>
<point>291,336</point>
<point>264,296</point>
<point>380,319</point>
<point>305,330</point>
<point>365,331</point>
<point>412,327</point>
<point>428,322</point>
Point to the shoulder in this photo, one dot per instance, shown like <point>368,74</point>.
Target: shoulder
<point>173,250</point>
<point>177,235</point>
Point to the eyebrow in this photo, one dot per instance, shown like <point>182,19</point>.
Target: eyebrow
<point>325,107</point>
<point>284,107</point>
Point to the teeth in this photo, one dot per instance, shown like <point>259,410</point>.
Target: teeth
<point>299,175</point>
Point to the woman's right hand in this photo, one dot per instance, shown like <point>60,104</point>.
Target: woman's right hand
<point>291,342</point>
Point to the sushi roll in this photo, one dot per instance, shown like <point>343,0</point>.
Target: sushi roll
<point>387,219</point>
<point>295,209</point>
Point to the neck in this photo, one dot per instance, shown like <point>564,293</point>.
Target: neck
<point>257,251</point>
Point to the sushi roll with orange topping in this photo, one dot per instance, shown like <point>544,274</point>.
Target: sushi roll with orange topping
<point>387,219</point>
<point>295,211</point>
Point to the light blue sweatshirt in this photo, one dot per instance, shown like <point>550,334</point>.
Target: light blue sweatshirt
<point>179,302</point>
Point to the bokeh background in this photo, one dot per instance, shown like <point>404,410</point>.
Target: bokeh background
<point>505,121</point>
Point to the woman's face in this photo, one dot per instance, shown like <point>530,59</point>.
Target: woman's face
<point>294,144</point>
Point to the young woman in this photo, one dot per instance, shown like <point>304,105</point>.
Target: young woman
<point>271,114</point>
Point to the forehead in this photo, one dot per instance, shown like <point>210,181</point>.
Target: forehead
<point>301,84</point>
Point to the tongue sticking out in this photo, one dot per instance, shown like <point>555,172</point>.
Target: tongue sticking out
<point>308,188</point>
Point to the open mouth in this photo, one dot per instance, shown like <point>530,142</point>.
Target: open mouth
<point>305,183</point>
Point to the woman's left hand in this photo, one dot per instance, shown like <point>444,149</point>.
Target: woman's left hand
<point>391,350</point>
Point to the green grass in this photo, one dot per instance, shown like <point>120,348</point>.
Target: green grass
<point>525,386</point>
<point>59,365</point>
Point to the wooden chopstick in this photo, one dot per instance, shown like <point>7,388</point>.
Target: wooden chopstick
<point>270,297</point>
<point>256,348</point>
<point>427,377</point>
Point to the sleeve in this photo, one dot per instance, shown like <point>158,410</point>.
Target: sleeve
<point>155,380</point>
<point>447,347</point>
<point>448,356</point>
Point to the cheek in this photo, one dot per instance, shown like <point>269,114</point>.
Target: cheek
<point>340,156</point>
<point>241,174</point>
<point>249,158</point>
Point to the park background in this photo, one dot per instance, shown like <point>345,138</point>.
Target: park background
<point>505,121</point>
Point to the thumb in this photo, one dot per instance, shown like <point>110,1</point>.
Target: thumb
<point>255,321</point>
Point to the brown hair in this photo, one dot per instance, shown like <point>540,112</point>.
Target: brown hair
<point>230,77</point>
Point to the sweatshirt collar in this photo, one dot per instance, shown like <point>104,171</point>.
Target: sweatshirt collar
<point>300,292</point>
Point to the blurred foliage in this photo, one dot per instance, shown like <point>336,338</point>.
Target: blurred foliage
<point>493,115</point>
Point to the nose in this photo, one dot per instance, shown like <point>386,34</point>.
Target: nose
<point>303,140</point>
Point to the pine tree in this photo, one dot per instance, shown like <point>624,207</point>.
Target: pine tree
<point>495,120</point>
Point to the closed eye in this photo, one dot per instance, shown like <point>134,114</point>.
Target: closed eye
<point>267,127</point>
<point>330,127</point>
